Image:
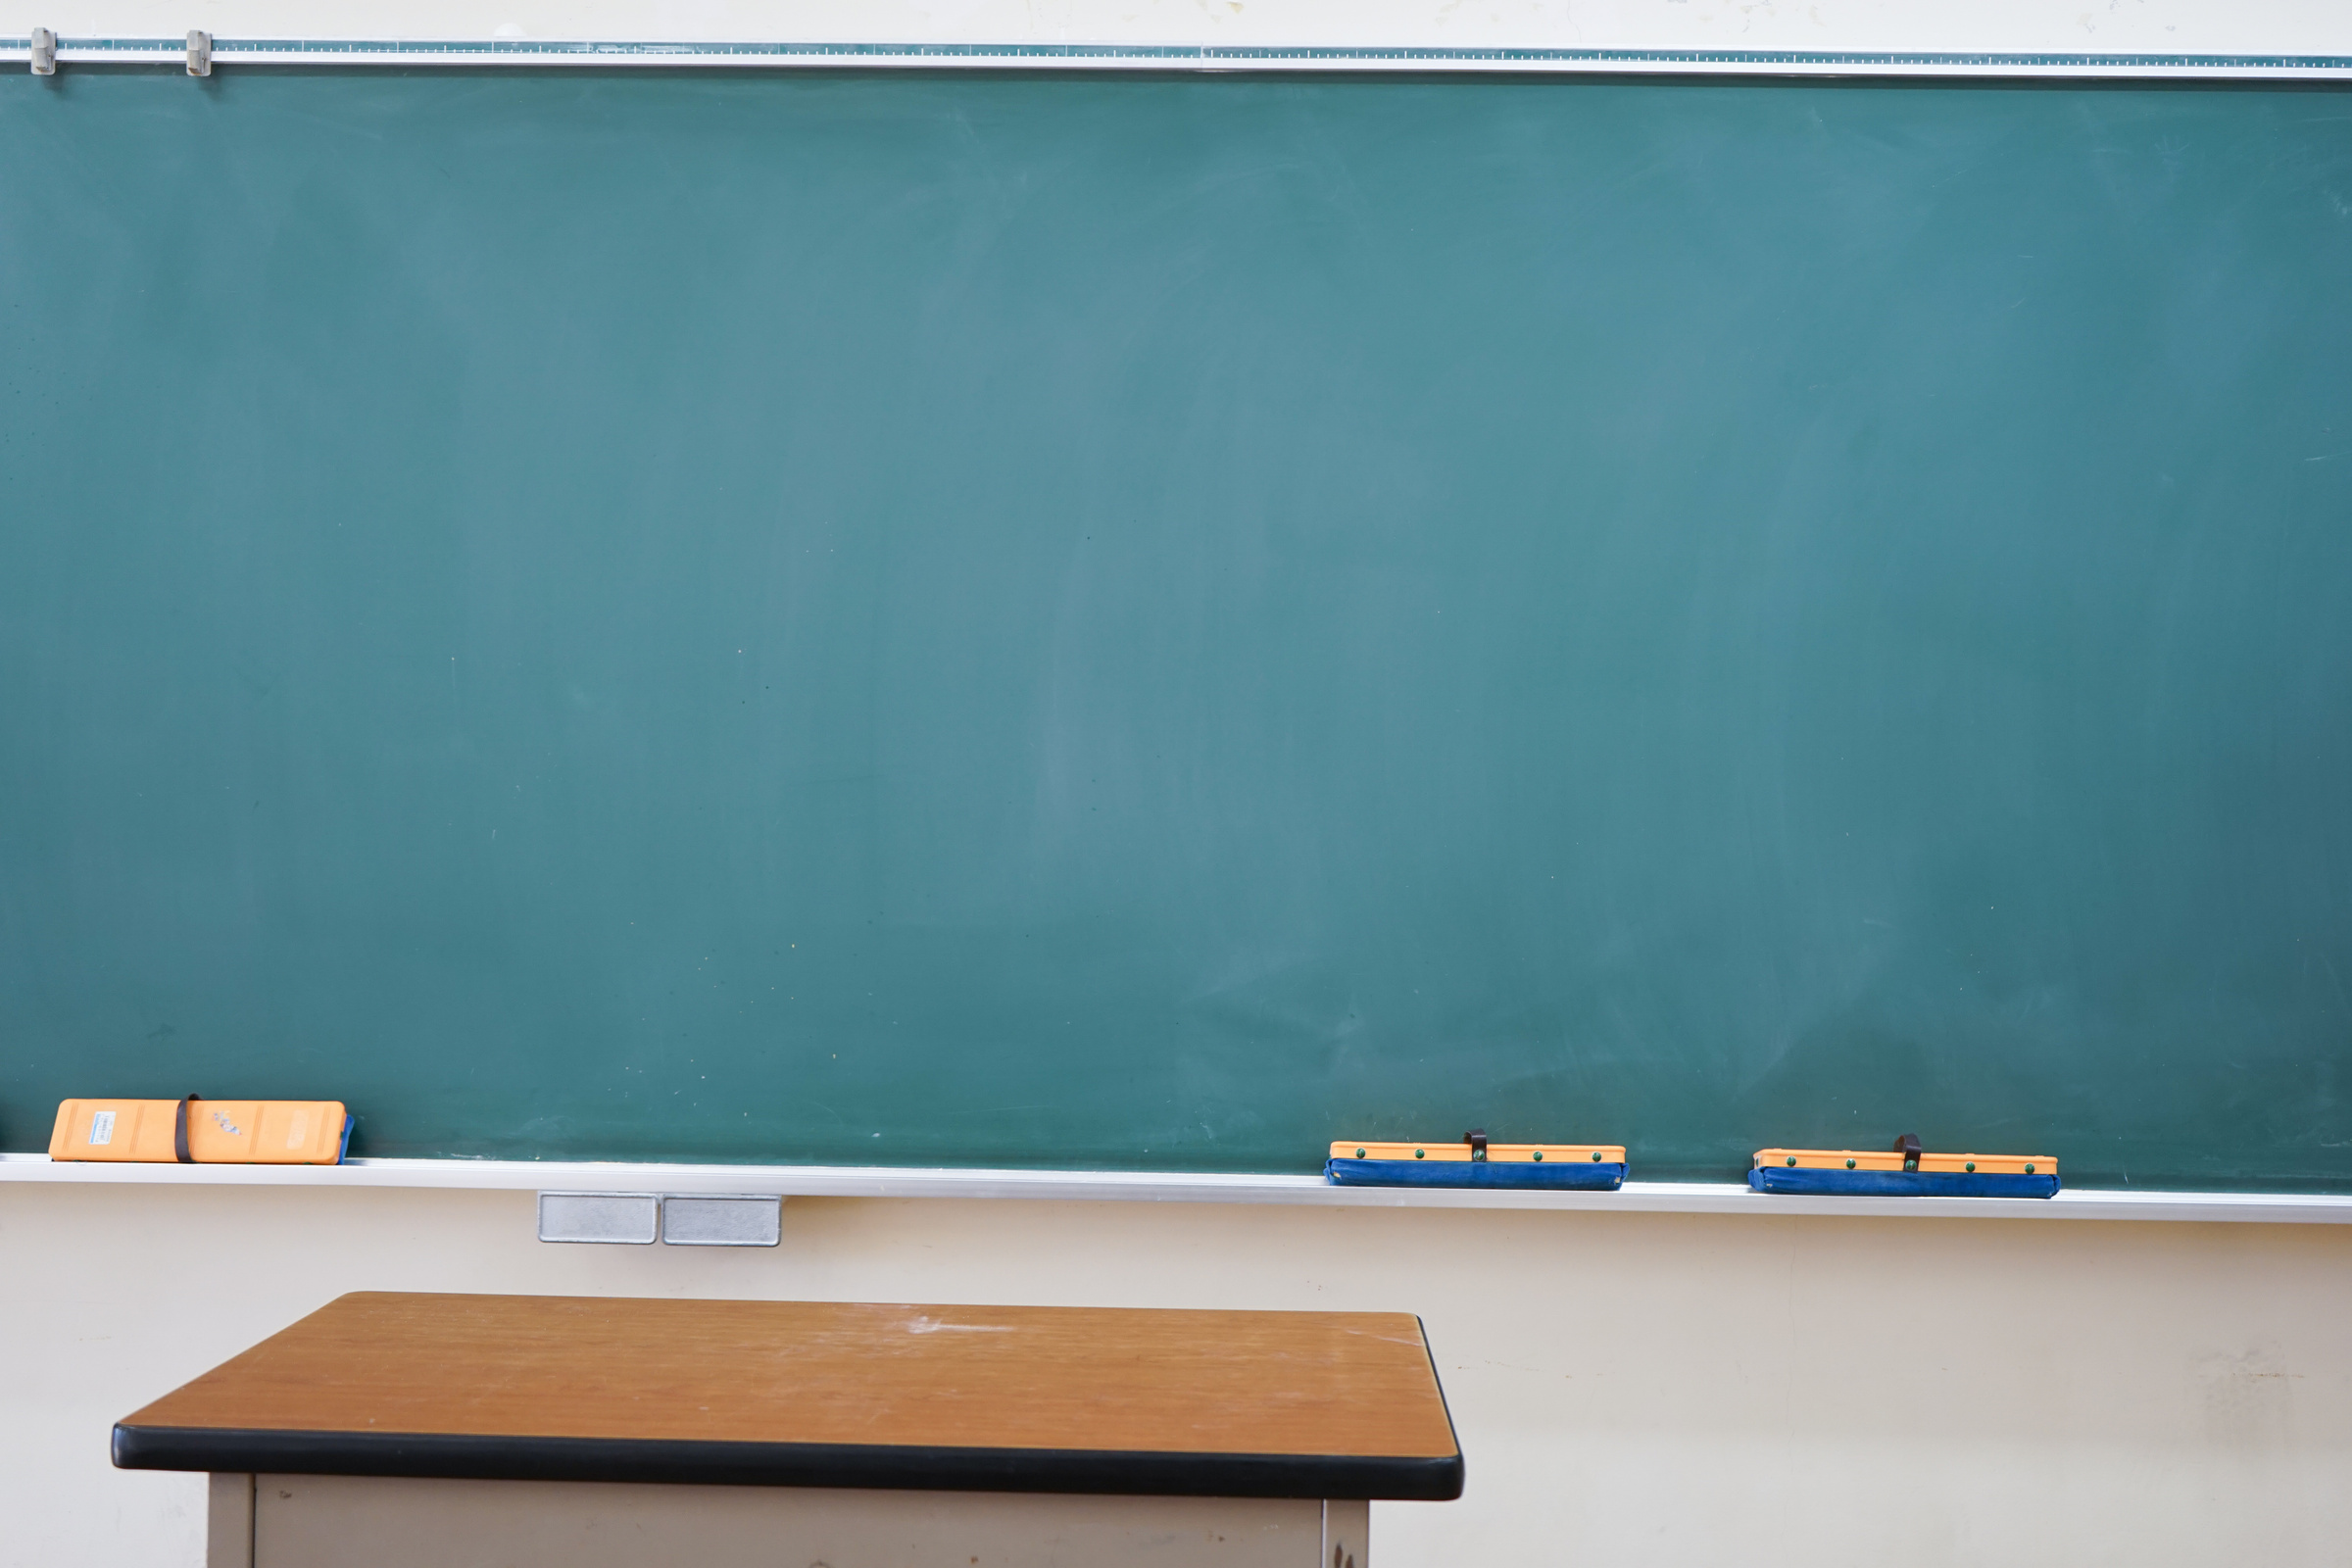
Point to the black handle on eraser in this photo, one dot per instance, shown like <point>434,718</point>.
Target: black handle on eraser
<point>180,1131</point>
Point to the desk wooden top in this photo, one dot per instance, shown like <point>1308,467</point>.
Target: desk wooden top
<point>1018,1399</point>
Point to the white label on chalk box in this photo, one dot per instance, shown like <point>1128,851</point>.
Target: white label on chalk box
<point>300,1130</point>
<point>102,1127</point>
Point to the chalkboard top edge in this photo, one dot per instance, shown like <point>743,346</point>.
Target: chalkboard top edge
<point>1176,1187</point>
<point>1017,55</point>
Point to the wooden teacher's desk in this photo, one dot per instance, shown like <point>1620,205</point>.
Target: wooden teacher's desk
<point>397,1429</point>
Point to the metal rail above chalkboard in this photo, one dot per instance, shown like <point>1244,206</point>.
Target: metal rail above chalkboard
<point>44,50</point>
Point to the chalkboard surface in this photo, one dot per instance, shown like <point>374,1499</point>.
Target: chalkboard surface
<point>1156,623</point>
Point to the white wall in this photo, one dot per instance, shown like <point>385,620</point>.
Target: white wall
<point>1641,1390</point>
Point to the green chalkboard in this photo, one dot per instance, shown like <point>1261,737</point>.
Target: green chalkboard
<point>1156,622</point>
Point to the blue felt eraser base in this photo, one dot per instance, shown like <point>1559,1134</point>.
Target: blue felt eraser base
<point>1558,1177</point>
<point>1898,1183</point>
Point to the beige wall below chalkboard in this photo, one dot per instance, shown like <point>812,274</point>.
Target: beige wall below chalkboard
<point>1641,1389</point>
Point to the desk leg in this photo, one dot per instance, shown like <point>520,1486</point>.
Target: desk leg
<point>1347,1533</point>
<point>229,1523</point>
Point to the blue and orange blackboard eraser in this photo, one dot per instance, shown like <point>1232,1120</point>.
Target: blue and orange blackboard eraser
<point>194,1131</point>
<point>1904,1171</point>
<point>1476,1163</point>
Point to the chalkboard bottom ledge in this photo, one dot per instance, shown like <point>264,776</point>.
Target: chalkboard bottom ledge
<point>1171,1187</point>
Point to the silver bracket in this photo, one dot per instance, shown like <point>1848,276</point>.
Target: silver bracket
<point>640,1219</point>
<point>731,1220</point>
<point>631,1218</point>
<point>200,53</point>
<point>44,52</point>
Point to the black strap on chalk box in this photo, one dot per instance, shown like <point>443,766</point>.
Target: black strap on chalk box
<point>1906,1145</point>
<point>1475,1138</point>
<point>179,1130</point>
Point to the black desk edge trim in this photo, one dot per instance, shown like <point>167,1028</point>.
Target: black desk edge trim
<point>1437,1382</point>
<point>469,1457</point>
